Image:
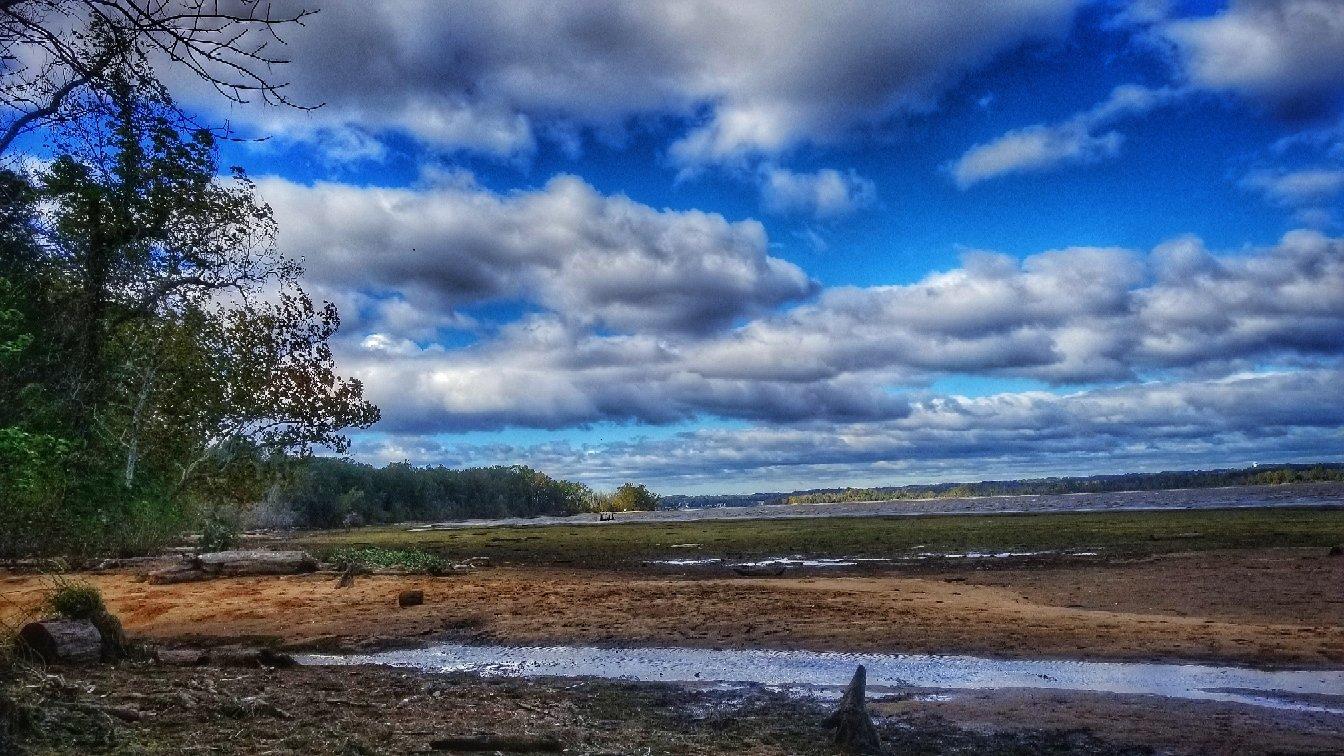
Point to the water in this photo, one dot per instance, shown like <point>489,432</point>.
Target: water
<point>824,674</point>
<point>1297,495</point>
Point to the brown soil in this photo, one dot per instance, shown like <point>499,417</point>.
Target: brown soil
<point>1265,607</point>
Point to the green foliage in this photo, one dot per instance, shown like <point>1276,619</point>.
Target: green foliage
<point>144,376</point>
<point>369,557</point>
<point>325,492</point>
<point>76,600</point>
<point>632,497</point>
<point>222,529</point>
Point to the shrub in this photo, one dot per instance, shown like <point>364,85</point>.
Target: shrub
<point>223,530</point>
<point>412,560</point>
<point>76,600</point>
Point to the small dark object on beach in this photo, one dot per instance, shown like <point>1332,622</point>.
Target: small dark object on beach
<point>1337,551</point>
<point>854,729</point>
<point>760,570</point>
<point>413,597</point>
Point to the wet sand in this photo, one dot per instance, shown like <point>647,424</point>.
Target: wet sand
<point>1265,608</point>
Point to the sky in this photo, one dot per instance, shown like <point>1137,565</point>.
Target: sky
<point>762,246</point>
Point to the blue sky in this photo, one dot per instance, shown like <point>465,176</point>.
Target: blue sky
<point>737,246</point>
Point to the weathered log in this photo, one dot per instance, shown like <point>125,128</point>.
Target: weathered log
<point>509,743</point>
<point>62,641</point>
<point>414,597</point>
<point>247,656</point>
<point>233,563</point>
<point>854,729</point>
<point>178,573</point>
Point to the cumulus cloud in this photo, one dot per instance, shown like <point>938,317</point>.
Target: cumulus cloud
<point>752,76</point>
<point>1076,141</point>
<point>826,193</point>
<point>1287,53</point>
<point>1294,188</point>
<point>592,259</point>
<point>627,313</point>
<point>1239,418</point>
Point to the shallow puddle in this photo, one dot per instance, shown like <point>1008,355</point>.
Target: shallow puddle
<point>824,674</point>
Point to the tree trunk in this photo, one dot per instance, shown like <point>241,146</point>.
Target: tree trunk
<point>63,641</point>
<point>854,729</point>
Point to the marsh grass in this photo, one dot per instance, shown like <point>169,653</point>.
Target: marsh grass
<point>616,544</point>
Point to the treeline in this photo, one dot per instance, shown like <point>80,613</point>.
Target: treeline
<point>1091,484</point>
<point>323,492</point>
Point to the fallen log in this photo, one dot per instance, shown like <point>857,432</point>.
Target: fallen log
<point>234,563</point>
<point>510,743</point>
<point>179,573</point>
<point>62,641</point>
<point>854,729</point>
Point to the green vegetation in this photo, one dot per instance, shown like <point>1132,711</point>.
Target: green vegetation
<point>76,600</point>
<point>371,557</point>
<point>157,356</point>
<point>1093,484</point>
<point>627,544</point>
<point>323,492</point>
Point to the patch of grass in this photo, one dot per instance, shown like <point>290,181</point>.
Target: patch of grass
<point>76,600</point>
<point>617,544</point>
<point>370,557</point>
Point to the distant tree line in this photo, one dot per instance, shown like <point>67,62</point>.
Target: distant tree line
<point>1092,484</point>
<point>324,492</point>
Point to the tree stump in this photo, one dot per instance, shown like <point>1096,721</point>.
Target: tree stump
<point>854,729</point>
<point>63,641</point>
<point>413,597</point>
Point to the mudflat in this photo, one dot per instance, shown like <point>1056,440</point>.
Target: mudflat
<point>1274,607</point>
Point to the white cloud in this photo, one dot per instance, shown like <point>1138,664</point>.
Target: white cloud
<point>595,260</point>
<point>826,193</point>
<point>1292,188</point>
<point>1075,141</point>
<point>759,77</point>
<point>1288,53</point>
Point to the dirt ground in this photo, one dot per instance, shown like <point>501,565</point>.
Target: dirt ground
<point>1281,607</point>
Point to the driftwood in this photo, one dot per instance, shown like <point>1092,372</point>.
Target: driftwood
<point>178,573</point>
<point>414,597</point>
<point>513,743</point>
<point>62,641</point>
<point>198,567</point>
<point>854,729</point>
<point>230,563</point>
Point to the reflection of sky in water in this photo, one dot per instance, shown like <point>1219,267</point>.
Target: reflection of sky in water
<point>824,673</point>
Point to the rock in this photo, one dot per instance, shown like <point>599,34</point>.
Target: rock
<point>62,641</point>
<point>414,597</point>
<point>233,563</point>
<point>180,573</point>
<point>854,729</point>
<point>507,743</point>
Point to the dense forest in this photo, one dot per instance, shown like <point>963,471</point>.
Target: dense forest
<point>326,492</point>
<point>1092,484</point>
